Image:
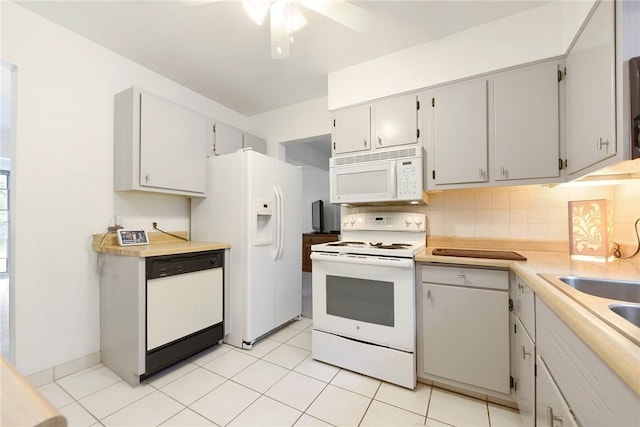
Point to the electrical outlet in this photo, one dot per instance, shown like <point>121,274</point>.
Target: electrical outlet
<point>114,228</point>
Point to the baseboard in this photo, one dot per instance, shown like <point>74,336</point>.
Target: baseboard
<point>47,376</point>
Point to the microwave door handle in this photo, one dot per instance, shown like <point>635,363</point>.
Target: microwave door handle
<point>392,180</point>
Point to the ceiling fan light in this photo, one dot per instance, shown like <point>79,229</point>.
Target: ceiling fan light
<point>256,9</point>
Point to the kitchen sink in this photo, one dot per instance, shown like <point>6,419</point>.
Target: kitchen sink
<point>620,290</point>
<point>630,312</point>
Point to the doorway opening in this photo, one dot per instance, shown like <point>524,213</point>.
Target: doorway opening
<point>7,139</point>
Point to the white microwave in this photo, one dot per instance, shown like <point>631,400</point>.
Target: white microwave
<point>380,176</point>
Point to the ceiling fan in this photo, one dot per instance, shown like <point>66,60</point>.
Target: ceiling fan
<point>286,18</point>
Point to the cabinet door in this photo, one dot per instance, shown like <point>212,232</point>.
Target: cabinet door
<point>551,408</point>
<point>466,335</point>
<point>459,146</point>
<point>590,82</point>
<point>172,145</point>
<point>395,121</point>
<point>257,144</point>
<point>227,139</point>
<point>526,123</point>
<point>525,375</point>
<point>524,306</point>
<point>351,130</point>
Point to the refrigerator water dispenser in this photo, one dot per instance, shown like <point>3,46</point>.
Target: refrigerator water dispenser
<point>264,229</point>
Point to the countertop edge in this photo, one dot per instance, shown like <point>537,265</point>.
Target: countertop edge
<point>617,351</point>
<point>157,249</point>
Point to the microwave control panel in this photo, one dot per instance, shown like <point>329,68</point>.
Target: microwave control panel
<point>409,179</point>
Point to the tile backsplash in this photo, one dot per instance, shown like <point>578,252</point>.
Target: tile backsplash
<point>526,212</point>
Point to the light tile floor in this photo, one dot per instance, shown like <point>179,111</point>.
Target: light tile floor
<point>277,383</point>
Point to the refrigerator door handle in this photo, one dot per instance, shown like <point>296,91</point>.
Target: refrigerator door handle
<point>280,222</point>
<point>276,220</point>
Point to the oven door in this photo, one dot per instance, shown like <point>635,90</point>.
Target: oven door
<point>364,182</point>
<point>366,298</point>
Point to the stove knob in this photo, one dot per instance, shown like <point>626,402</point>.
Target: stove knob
<point>345,221</point>
<point>418,221</point>
<point>408,221</point>
<point>352,221</point>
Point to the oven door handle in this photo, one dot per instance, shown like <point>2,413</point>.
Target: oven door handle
<point>363,260</point>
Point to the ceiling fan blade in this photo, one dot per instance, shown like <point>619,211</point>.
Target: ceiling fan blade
<point>279,33</point>
<point>343,12</point>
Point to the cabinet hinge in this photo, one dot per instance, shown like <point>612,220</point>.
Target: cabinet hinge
<point>515,331</point>
<point>559,76</point>
<point>510,304</point>
<point>334,122</point>
<point>565,72</point>
<point>535,370</point>
<point>512,383</point>
<point>433,174</point>
<point>417,105</point>
<point>417,133</point>
<point>214,128</point>
<point>433,102</point>
<point>334,145</point>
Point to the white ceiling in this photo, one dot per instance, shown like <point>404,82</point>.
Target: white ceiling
<point>214,48</point>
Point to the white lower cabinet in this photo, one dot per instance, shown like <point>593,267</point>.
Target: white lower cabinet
<point>464,327</point>
<point>551,408</point>
<point>595,395</point>
<point>525,380</point>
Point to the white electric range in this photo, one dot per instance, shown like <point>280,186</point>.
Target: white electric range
<point>364,296</point>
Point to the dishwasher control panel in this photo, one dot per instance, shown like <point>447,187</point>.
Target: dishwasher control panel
<point>171,265</point>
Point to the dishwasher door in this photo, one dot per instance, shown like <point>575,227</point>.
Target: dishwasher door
<point>180,305</point>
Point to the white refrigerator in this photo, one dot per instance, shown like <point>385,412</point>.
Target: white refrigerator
<point>254,202</point>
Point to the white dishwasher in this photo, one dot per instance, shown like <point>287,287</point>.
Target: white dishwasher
<point>184,306</point>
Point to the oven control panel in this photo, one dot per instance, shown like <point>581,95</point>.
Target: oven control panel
<point>392,221</point>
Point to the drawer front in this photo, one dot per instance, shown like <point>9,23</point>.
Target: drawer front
<point>465,276</point>
<point>524,300</point>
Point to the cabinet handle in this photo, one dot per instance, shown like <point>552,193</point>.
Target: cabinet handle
<point>520,287</point>
<point>601,143</point>
<point>525,353</point>
<point>463,275</point>
<point>504,172</point>
<point>551,418</point>
<point>428,293</point>
<point>482,173</point>
<point>365,142</point>
<point>146,177</point>
<point>379,141</point>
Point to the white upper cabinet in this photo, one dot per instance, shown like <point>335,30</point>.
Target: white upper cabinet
<point>395,121</point>
<point>387,123</point>
<point>590,85</point>
<point>226,139</point>
<point>256,144</point>
<point>526,123</point>
<point>159,146</point>
<point>351,130</point>
<point>458,148</point>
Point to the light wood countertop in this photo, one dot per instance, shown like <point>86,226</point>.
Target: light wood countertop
<point>159,244</point>
<point>614,339</point>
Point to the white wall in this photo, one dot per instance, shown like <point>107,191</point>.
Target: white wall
<point>535,34</point>
<point>64,180</point>
<point>298,121</point>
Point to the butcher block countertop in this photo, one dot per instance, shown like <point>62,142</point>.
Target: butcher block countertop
<point>613,338</point>
<point>159,244</point>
